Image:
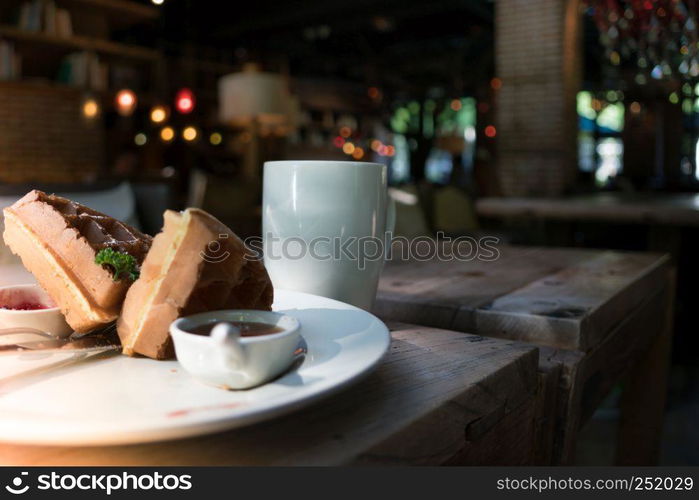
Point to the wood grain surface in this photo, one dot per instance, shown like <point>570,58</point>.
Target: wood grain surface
<point>563,298</point>
<point>597,317</point>
<point>438,396</point>
<point>680,209</point>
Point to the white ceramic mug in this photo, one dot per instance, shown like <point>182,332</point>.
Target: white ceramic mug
<point>227,360</point>
<point>324,227</point>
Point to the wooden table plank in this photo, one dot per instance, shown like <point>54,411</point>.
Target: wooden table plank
<point>566,298</point>
<point>638,442</point>
<point>438,395</point>
<point>587,378</point>
<point>594,314</point>
<point>446,293</point>
<point>546,414</point>
<point>576,307</point>
<point>669,209</point>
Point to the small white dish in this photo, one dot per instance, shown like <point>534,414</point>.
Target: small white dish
<point>228,360</point>
<point>49,319</point>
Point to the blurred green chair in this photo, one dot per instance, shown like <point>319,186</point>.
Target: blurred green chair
<point>454,212</point>
<point>410,215</point>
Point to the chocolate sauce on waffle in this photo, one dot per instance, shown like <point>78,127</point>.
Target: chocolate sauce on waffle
<point>100,230</point>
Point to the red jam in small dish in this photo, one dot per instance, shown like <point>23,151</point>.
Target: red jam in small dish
<point>25,306</point>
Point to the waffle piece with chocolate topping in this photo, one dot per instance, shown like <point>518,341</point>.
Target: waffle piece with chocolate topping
<point>58,241</point>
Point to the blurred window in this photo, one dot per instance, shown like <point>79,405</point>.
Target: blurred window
<point>600,123</point>
<point>449,125</point>
<point>610,152</point>
<point>400,166</point>
<point>438,167</point>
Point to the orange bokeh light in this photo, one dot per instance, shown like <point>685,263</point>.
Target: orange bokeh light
<point>158,114</point>
<point>167,134</point>
<point>358,153</point>
<point>91,108</point>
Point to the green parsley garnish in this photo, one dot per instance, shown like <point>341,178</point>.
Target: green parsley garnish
<point>122,264</point>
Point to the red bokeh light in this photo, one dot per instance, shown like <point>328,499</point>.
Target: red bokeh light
<point>185,101</point>
<point>490,131</point>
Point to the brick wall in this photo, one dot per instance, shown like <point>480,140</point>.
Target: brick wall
<point>44,137</point>
<point>538,58</point>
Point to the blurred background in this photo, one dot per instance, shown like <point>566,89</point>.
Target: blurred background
<point>545,122</point>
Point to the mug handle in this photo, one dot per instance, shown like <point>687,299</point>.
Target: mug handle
<point>227,336</point>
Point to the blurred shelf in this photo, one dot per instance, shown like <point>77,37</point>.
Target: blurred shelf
<point>208,66</point>
<point>41,84</point>
<point>127,11</point>
<point>106,47</point>
<point>106,96</point>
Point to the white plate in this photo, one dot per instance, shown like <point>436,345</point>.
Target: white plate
<point>118,400</point>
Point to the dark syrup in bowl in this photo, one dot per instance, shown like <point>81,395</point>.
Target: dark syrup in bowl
<point>247,328</point>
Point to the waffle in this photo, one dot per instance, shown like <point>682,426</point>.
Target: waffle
<point>57,240</point>
<point>196,264</point>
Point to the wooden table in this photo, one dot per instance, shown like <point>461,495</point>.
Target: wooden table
<point>634,208</point>
<point>598,317</point>
<point>439,397</point>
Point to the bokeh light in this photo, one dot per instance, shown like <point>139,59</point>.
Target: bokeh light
<point>215,138</point>
<point>185,101</point>
<point>167,134</point>
<point>158,114</point>
<point>189,133</point>
<point>126,102</point>
<point>90,108</point>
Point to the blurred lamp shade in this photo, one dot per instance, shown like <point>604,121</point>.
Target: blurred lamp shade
<point>254,96</point>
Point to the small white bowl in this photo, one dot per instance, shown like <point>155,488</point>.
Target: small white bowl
<point>227,360</point>
<point>49,320</point>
